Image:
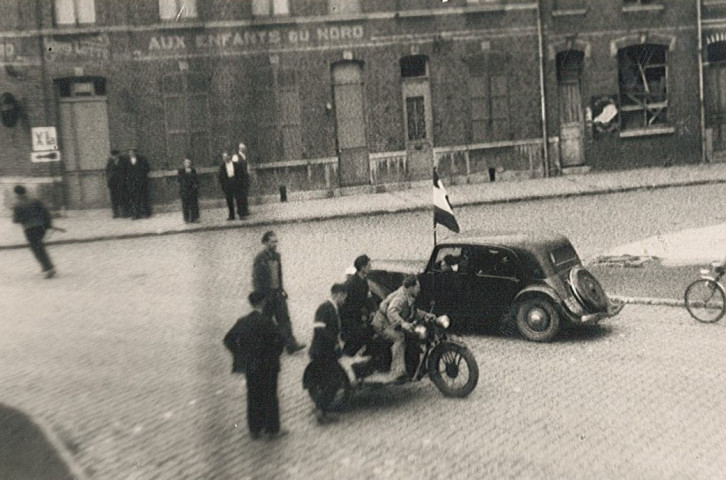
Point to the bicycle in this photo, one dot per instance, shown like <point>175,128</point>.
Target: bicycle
<point>705,298</point>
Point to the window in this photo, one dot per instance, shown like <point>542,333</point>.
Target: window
<point>570,4</point>
<point>186,115</point>
<point>413,66</point>
<point>279,132</point>
<point>639,2</point>
<point>265,8</point>
<point>489,108</point>
<point>416,116</point>
<point>177,9</point>
<point>643,86</point>
<point>343,7</point>
<point>74,12</point>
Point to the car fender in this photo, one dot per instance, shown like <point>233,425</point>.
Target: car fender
<point>536,290</point>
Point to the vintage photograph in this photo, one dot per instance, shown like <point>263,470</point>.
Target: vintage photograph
<point>362,239</point>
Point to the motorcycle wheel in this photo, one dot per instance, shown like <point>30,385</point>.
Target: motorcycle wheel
<point>453,369</point>
<point>313,384</point>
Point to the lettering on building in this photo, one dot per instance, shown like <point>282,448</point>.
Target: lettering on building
<point>96,47</point>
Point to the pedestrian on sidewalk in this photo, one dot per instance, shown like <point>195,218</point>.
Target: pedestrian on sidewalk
<point>232,183</point>
<point>256,344</point>
<point>267,278</point>
<point>35,219</point>
<point>240,158</point>
<point>325,350</point>
<point>116,181</point>
<point>189,191</point>
<point>138,185</point>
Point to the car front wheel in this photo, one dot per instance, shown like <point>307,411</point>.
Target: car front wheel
<point>537,320</point>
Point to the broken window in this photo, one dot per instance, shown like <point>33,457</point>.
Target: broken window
<point>643,86</point>
<point>177,9</point>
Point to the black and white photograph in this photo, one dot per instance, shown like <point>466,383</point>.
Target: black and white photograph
<point>362,239</point>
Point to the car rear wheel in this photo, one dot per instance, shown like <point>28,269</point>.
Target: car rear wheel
<point>537,320</point>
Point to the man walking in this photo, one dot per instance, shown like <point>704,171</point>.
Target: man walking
<point>240,158</point>
<point>232,183</point>
<point>325,350</point>
<point>35,219</point>
<point>116,182</point>
<point>138,185</point>
<point>256,345</point>
<point>267,278</point>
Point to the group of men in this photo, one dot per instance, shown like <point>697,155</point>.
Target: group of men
<point>127,177</point>
<point>344,324</point>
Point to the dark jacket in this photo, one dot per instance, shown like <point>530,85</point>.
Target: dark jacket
<point>31,213</point>
<point>188,183</point>
<point>232,184</point>
<point>137,175</point>
<point>256,344</point>
<point>116,170</point>
<point>325,345</point>
<point>358,303</point>
<point>261,274</point>
<point>241,162</point>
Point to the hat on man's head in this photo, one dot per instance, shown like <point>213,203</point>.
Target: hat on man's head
<point>19,190</point>
<point>361,261</point>
<point>256,298</point>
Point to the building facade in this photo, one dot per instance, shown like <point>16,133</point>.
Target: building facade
<point>333,96</point>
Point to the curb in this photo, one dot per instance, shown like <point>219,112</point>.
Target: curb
<point>661,302</point>
<point>403,209</point>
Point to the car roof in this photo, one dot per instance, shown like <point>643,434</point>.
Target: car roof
<point>523,239</point>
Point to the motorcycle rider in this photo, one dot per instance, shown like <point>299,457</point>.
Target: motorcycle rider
<point>396,314</point>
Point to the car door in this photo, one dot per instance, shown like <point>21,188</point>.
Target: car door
<point>444,286</point>
<point>493,281</point>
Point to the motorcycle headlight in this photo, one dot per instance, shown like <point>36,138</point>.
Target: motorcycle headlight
<point>420,331</point>
<point>443,321</point>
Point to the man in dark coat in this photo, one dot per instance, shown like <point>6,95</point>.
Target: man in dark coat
<point>325,350</point>
<point>137,181</point>
<point>256,345</point>
<point>189,191</point>
<point>267,278</point>
<point>358,306</point>
<point>240,158</point>
<point>116,182</point>
<point>231,179</point>
<point>35,219</point>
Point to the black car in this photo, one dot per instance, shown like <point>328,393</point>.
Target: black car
<point>534,279</point>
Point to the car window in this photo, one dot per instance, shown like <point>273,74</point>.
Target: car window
<point>448,259</point>
<point>492,262</point>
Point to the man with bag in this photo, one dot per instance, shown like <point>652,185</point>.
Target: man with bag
<point>256,345</point>
<point>35,219</point>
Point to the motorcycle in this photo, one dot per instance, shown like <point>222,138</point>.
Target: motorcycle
<point>430,351</point>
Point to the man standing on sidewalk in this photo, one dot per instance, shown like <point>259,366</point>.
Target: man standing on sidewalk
<point>116,181</point>
<point>35,218</point>
<point>240,158</point>
<point>256,345</point>
<point>232,183</point>
<point>267,278</point>
<point>138,185</point>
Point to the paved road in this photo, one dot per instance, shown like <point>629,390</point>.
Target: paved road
<point>121,355</point>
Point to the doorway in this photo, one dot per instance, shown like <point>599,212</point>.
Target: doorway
<point>353,163</point>
<point>417,116</point>
<point>572,125</point>
<point>84,138</point>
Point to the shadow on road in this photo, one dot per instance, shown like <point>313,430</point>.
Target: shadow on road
<point>25,451</point>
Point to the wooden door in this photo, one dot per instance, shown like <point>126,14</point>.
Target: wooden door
<point>354,166</point>
<point>572,125</point>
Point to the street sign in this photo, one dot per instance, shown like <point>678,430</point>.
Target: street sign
<point>39,157</point>
<point>45,139</point>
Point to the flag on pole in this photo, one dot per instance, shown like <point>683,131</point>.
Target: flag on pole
<point>443,214</point>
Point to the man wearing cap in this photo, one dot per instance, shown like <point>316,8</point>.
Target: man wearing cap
<point>256,344</point>
<point>240,158</point>
<point>267,278</point>
<point>35,219</point>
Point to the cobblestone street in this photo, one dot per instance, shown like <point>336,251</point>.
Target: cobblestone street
<point>121,356</point>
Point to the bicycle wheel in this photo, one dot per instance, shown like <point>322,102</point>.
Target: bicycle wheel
<point>705,300</point>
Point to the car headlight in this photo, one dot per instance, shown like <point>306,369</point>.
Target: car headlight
<point>443,321</point>
<point>420,330</point>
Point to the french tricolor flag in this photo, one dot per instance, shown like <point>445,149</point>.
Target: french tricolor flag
<point>443,214</point>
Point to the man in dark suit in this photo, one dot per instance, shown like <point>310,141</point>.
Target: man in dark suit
<point>325,350</point>
<point>231,179</point>
<point>240,158</point>
<point>358,306</point>
<point>137,182</point>
<point>116,182</point>
<point>267,278</point>
<point>35,219</point>
<point>256,345</point>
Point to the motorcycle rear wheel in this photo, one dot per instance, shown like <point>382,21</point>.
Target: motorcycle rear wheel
<point>452,377</point>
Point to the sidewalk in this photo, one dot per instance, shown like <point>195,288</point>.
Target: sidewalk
<point>96,225</point>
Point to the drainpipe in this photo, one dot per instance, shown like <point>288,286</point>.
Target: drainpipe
<point>543,102</point>
<point>700,84</point>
